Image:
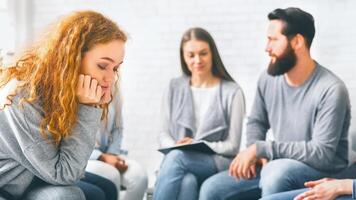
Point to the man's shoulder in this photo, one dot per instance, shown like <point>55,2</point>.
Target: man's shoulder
<point>327,79</point>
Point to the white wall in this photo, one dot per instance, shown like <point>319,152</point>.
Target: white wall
<point>238,26</point>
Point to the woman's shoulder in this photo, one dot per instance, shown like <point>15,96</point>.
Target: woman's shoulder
<point>180,80</point>
<point>230,86</point>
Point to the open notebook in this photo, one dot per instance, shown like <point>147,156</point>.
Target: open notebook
<point>196,146</point>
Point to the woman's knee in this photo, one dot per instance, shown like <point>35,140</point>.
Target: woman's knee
<point>174,160</point>
<point>189,181</point>
<point>105,170</point>
<point>175,155</point>
<point>50,192</point>
<point>135,176</point>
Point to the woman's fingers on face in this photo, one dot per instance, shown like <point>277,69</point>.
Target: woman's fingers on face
<point>98,93</point>
<point>81,81</point>
<point>88,90</point>
<point>106,98</point>
<point>87,81</point>
<point>93,86</point>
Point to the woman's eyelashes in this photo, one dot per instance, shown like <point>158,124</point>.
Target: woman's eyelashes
<point>102,66</point>
<point>105,66</point>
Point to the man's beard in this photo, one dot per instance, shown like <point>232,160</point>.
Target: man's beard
<point>283,63</point>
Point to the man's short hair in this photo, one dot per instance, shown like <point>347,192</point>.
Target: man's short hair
<point>295,21</point>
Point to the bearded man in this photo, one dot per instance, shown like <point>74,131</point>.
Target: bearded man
<point>305,106</point>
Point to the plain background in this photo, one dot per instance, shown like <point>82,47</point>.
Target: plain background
<point>152,58</point>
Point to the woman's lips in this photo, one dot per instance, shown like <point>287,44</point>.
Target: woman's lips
<point>105,88</point>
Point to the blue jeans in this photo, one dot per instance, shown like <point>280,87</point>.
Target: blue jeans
<point>96,187</point>
<point>182,173</point>
<point>40,190</point>
<point>91,187</point>
<point>291,194</point>
<point>277,176</point>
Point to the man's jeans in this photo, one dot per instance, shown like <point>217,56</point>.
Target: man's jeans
<point>277,176</point>
<point>182,173</point>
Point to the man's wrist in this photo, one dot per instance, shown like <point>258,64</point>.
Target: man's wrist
<point>345,187</point>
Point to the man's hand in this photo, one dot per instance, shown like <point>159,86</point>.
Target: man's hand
<point>244,164</point>
<point>115,161</point>
<point>186,140</point>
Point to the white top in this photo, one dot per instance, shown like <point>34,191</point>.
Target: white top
<point>226,147</point>
<point>202,98</point>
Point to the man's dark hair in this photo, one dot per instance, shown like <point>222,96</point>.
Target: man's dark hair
<point>295,21</point>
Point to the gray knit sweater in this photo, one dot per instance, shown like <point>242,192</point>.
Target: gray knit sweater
<point>309,123</point>
<point>24,153</point>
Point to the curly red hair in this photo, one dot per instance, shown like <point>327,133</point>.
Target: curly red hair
<point>49,70</point>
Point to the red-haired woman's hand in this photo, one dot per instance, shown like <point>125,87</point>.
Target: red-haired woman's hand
<point>89,92</point>
<point>106,97</point>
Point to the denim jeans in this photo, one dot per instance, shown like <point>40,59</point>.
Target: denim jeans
<point>134,179</point>
<point>40,190</point>
<point>277,176</point>
<point>91,187</point>
<point>96,187</point>
<point>182,173</point>
<point>289,195</point>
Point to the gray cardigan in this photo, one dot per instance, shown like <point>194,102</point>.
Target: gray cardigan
<point>221,128</point>
<point>24,153</point>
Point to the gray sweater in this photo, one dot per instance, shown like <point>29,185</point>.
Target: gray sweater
<point>309,123</point>
<point>24,153</point>
<point>222,126</point>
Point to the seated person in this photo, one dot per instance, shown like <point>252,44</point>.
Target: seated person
<point>108,160</point>
<point>205,104</point>
<point>307,109</point>
<point>61,94</point>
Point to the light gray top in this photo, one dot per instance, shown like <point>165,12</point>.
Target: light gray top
<point>309,123</point>
<point>221,128</point>
<point>110,134</point>
<point>24,153</point>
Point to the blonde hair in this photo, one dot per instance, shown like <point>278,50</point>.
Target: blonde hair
<point>49,70</point>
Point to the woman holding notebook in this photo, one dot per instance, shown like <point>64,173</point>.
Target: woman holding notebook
<point>204,104</point>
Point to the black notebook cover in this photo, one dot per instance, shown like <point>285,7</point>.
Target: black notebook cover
<point>197,146</point>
